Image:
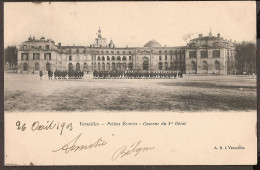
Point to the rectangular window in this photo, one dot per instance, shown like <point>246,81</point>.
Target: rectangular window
<point>70,58</point>
<point>47,56</point>
<point>32,46</point>
<point>160,57</point>
<point>204,54</point>
<point>193,54</point>
<point>36,56</point>
<point>130,57</point>
<point>24,56</point>
<point>47,47</point>
<point>165,57</point>
<point>25,47</point>
<point>40,47</point>
<point>216,53</point>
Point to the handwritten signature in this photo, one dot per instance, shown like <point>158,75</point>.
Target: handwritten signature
<point>72,147</point>
<point>134,149</point>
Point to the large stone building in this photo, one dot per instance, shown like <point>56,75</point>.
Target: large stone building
<point>202,55</point>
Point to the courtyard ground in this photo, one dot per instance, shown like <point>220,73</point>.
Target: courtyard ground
<point>26,92</point>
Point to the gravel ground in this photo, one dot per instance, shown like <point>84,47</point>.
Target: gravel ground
<point>26,93</point>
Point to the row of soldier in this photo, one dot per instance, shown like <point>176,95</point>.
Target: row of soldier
<point>63,74</point>
<point>136,74</point>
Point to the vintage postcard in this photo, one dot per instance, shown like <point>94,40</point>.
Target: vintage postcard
<point>130,83</point>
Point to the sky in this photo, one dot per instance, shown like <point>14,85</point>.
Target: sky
<point>128,23</point>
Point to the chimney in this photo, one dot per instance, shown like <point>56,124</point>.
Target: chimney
<point>200,35</point>
<point>218,35</point>
<point>59,44</point>
<point>33,37</point>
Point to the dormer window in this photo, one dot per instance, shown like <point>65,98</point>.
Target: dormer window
<point>47,47</point>
<point>216,44</point>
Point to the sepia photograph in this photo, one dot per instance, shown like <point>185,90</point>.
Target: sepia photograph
<point>109,57</point>
<point>195,61</point>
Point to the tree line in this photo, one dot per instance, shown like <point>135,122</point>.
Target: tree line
<point>245,58</point>
<point>10,57</point>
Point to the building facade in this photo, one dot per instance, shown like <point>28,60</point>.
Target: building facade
<point>203,55</point>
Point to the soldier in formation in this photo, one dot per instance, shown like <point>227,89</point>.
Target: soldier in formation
<point>63,74</point>
<point>136,74</point>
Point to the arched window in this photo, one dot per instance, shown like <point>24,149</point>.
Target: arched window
<point>204,65</point>
<point>103,58</point>
<point>113,66</point>
<point>193,65</point>
<point>48,67</point>
<point>108,58</point>
<point>124,58</point>
<point>77,67</point>
<point>103,67</point>
<point>160,57</point>
<point>108,66</point>
<point>175,65</point>
<point>85,66</point>
<point>166,66</point>
<point>171,65</point>
<point>124,66</point>
<point>25,65</point>
<point>130,58</point>
<point>37,66</point>
<point>145,65</point>
<point>98,58</point>
<point>130,66</point>
<point>160,65</point>
<point>70,67</point>
<point>217,65</point>
<point>118,66</point>
<point>118,58</point>
<point>98,66</point>
<point>113,58</point>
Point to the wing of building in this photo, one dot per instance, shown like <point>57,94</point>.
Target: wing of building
<point>202,55</point>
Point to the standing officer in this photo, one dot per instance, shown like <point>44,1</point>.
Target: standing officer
<point>41,73</point>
